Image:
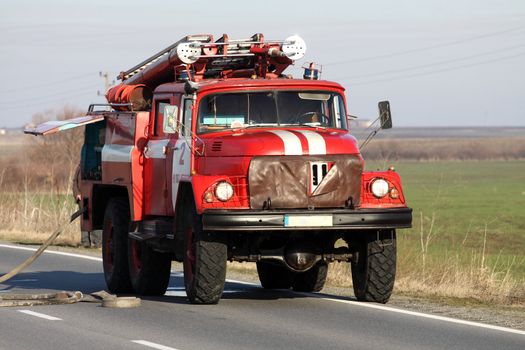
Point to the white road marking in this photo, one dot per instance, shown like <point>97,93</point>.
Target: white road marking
<point>349,302</point>
<point>419,314</point>
<point>176,293</point>
<point>399,311</point>
<point>243,282</point>
<point>292,143</point>
<point>37,314</point>
<point>152,345</point>
<point>80,256</point>
<point>26,280</point>
<point>182,293</point>
<point>316,142</point>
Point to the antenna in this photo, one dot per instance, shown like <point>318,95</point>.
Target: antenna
<point>107,83</point>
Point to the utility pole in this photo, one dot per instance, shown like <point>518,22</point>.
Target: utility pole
<point>107,82</point>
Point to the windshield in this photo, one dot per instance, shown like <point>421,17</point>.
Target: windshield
<point>271,108</point>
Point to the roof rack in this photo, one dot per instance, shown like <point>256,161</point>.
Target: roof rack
<point>197,57</point>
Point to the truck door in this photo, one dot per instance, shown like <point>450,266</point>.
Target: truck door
<point>155,184</point>
<point>181,150</point>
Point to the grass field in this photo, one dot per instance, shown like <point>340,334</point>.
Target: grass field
<point>471,203</point>
<point>468,229</point>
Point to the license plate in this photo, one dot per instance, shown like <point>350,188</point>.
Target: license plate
<point>308,220</point>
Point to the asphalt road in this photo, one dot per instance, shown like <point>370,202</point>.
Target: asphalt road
<point>248,317</point>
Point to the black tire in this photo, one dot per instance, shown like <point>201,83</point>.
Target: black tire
<point>274,275</point>
<point>115,246</point>
<point>312,280</point>
<point>204,260</point>
<point>374,267</point>
<point>149,270</point>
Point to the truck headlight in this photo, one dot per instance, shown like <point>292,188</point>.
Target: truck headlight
<point>223,191</point>
<point>379,187</point>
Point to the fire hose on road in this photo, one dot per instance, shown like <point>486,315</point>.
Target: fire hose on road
<point>12,299</point>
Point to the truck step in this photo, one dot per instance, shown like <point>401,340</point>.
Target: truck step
<point>153,229</point>
<point>144,236</point>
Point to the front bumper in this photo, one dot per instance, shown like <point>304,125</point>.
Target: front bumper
<point>324,219</point>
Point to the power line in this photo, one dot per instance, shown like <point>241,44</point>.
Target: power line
<point>61,94</point>
<point>426,48</point>
<point>44,102</point>
<point>57,82</point>
<point>439,71</point>
<point>486,53</point>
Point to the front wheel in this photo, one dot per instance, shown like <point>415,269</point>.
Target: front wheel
<point>149,270</point>
<point>374,266</point>
<point>204,261</point>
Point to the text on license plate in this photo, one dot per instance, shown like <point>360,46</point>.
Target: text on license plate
<point>308,220</point>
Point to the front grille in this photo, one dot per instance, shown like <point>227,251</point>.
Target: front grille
<point>324,181</point>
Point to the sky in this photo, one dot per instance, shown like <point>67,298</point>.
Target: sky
<point>439,63</point>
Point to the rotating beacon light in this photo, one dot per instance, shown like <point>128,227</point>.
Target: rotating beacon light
<point>312,72</point>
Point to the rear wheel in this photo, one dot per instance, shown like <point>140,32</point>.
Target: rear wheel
<point>204,260</point>
<point>115,246</point>
<point>149,270</point>
<point>374,267</point>
<point>312,280</point>
<point>274,275</point>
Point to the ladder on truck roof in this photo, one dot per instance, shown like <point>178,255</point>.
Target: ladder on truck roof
<point>201,57</point>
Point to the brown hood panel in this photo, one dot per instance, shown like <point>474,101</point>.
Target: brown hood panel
<point>286,181</point>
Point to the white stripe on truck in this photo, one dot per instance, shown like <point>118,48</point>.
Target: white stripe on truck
<point>292,143</point>
<point>316,142</point>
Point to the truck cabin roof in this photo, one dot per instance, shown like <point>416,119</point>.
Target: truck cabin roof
<point>210,85</point>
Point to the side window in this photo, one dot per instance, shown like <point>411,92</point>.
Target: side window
<point>159,116</point>
<point>340,112</point>
<point>171,114</point>
<point>186,121</point>
<point>91,157</point>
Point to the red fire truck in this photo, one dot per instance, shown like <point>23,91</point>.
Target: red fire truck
<point>207,153</point>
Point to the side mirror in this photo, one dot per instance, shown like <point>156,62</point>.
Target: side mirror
<point>385,117</point>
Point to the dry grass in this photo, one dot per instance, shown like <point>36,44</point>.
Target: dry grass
<point>507,148</point>
<point>457,271</point>
<point>32,217</point>
<point>35,185</point>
